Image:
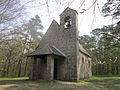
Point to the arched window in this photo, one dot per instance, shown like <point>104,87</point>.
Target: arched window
<point>87,61</point>
<point>68,22</point>
<point>82,59</point>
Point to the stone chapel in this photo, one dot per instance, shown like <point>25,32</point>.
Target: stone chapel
<point>59,55</point>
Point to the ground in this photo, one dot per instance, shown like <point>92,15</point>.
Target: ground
<point>93,83</point>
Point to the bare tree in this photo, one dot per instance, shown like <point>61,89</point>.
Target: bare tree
<point>9,10</point>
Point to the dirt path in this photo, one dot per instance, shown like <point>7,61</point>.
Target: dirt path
<point>4,87</point>
<point>72,83</point>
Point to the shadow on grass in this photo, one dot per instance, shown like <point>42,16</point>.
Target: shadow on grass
<point>107,81</point>
<point>8,81</point>
<point>109,84</point>
<point>93,83</point>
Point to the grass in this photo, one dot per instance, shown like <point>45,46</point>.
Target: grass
<point>93,83</point>
<point>101,78</point>
<point>21,78</point>
<point>104,82</point>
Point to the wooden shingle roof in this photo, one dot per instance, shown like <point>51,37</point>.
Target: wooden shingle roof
<point>82,50</point>
<point>45,50</point>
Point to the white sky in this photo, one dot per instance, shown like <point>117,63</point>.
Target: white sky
<point>55,9</point>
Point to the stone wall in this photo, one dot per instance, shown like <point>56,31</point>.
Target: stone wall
<point>39,68</point>
<point>50,67</point>
<point>84,66</point>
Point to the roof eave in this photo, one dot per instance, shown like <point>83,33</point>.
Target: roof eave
<point>85,54</point>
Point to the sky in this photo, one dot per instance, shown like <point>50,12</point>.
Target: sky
<point>87,21</point>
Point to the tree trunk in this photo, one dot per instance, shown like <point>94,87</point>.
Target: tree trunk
<point>19,69</point>
<point>26,63</point>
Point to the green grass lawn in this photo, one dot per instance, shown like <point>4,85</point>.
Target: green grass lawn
<point>101,78</point>
<point>93,83</point>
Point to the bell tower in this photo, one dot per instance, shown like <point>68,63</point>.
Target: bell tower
<point>69,32</point>
<point>69,19</point>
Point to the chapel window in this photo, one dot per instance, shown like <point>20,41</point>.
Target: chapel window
<point>87,61</point>
<point>82,59</point>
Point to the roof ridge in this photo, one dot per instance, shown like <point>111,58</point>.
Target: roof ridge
<point>50,49</point>
<point>82,49</point>
<point>58,50</point>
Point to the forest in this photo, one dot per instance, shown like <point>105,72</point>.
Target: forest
<point>19,37</point>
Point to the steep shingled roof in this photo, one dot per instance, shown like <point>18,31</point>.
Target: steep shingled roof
<point>82,50</point>
<point>45,50</point>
